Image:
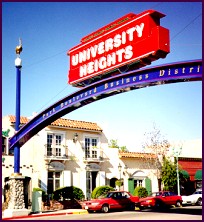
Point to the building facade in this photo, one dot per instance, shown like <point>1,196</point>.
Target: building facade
<point>73,153</point>
<point>190,164</point>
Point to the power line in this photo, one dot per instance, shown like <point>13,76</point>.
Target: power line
<point>185,27</point>
<point>52,99</point>
<point>66,50</point>
<point>47,58</point>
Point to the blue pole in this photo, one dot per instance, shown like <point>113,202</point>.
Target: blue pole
<point>17,125</point>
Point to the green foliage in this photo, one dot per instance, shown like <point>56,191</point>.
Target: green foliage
<point>119,183</point>
<point>100,191</point>
<point>140,192</point>
<point>71,192</point>
<point>169,175</point>
<point>113,144</point>
<point>123,149</point>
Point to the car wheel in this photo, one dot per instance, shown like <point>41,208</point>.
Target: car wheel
<point>178,203</point>
<point>199,202</point>
<point>157,204</point>
<point>141,208</point>
<point>131,206</point>
<point>105,208</point>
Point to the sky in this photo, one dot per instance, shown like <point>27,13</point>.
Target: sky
<point>49,30</point>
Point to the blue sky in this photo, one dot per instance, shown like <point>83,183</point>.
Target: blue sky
<point>49,30</point>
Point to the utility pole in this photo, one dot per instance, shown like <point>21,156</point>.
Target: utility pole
<point>176,153</point>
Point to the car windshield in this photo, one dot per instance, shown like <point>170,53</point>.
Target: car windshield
<point>108,195</point>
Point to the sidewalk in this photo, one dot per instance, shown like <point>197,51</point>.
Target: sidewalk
<point>48,213</point>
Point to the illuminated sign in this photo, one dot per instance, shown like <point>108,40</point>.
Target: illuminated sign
<point>167,73</point>
<point>123,42</point>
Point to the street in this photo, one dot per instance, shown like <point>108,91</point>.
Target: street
<point>184,213</point>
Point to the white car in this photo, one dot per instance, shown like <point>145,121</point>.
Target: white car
<point>195,198</point>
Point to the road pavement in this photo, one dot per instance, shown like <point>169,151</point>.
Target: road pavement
<point>183,213</point>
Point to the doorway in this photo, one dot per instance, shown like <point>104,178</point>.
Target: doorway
<point>112,182</point>
<point>90,182</point>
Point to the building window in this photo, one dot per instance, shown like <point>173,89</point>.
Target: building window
<point>137,183</point>
<point>53,181</point>
<point>3,145</point>
<point>54,143</point>
<point>91,150</point>
<point>49,144</point>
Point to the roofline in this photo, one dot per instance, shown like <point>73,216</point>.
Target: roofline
<point>79,129</point>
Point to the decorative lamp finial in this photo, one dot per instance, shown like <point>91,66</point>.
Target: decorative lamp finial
<point>19,48</point>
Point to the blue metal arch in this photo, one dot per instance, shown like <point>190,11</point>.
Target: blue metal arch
<point>167,73</point>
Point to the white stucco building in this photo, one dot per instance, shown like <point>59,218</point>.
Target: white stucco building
<point>74,153</point>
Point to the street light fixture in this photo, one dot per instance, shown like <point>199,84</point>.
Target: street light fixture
<point>120,168</point>
<point>75,138</point>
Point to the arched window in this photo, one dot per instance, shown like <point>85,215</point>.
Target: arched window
<point>139,178</point>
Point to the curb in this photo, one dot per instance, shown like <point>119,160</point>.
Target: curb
<point>45,214</point>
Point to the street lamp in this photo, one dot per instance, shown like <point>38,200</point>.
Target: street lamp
<point>18,65</point>
<point>120,168</point>
<point>16,204</point>
<point>176,153</point>
<point>75,138</point>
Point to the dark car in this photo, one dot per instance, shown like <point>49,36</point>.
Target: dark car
<point>113,200</point>
<point>160,199</point>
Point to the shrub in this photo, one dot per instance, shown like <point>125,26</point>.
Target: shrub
<point>119,183</point>
<point>100,191</point>
<point>71,192</point>
<point>140,192</point>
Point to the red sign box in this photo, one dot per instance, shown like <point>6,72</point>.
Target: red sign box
<point>124,41</point>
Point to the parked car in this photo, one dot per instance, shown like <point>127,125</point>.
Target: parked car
<point>160,199</point>
<point>195,198</point>
<point>112,201</point>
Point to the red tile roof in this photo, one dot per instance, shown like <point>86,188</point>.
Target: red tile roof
<point>136,155</point>
<point>23,120</point>
<point>74,124</point>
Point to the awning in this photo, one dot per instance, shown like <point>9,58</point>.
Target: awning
<point>198,175</point>
<point>185,174</point>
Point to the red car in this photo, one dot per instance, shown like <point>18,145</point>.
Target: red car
<point>160,199</point>
<point>112,201</point>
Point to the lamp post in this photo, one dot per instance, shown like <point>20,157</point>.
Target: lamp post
<point>119,168</point>
<point>18,65</point>
<point>16,202</point>
<point>176,153</point>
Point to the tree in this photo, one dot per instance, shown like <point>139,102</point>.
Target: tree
<point>157,145</point>
<point>169,175</point>
<point>123,149</point>
<point>114,144</point>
